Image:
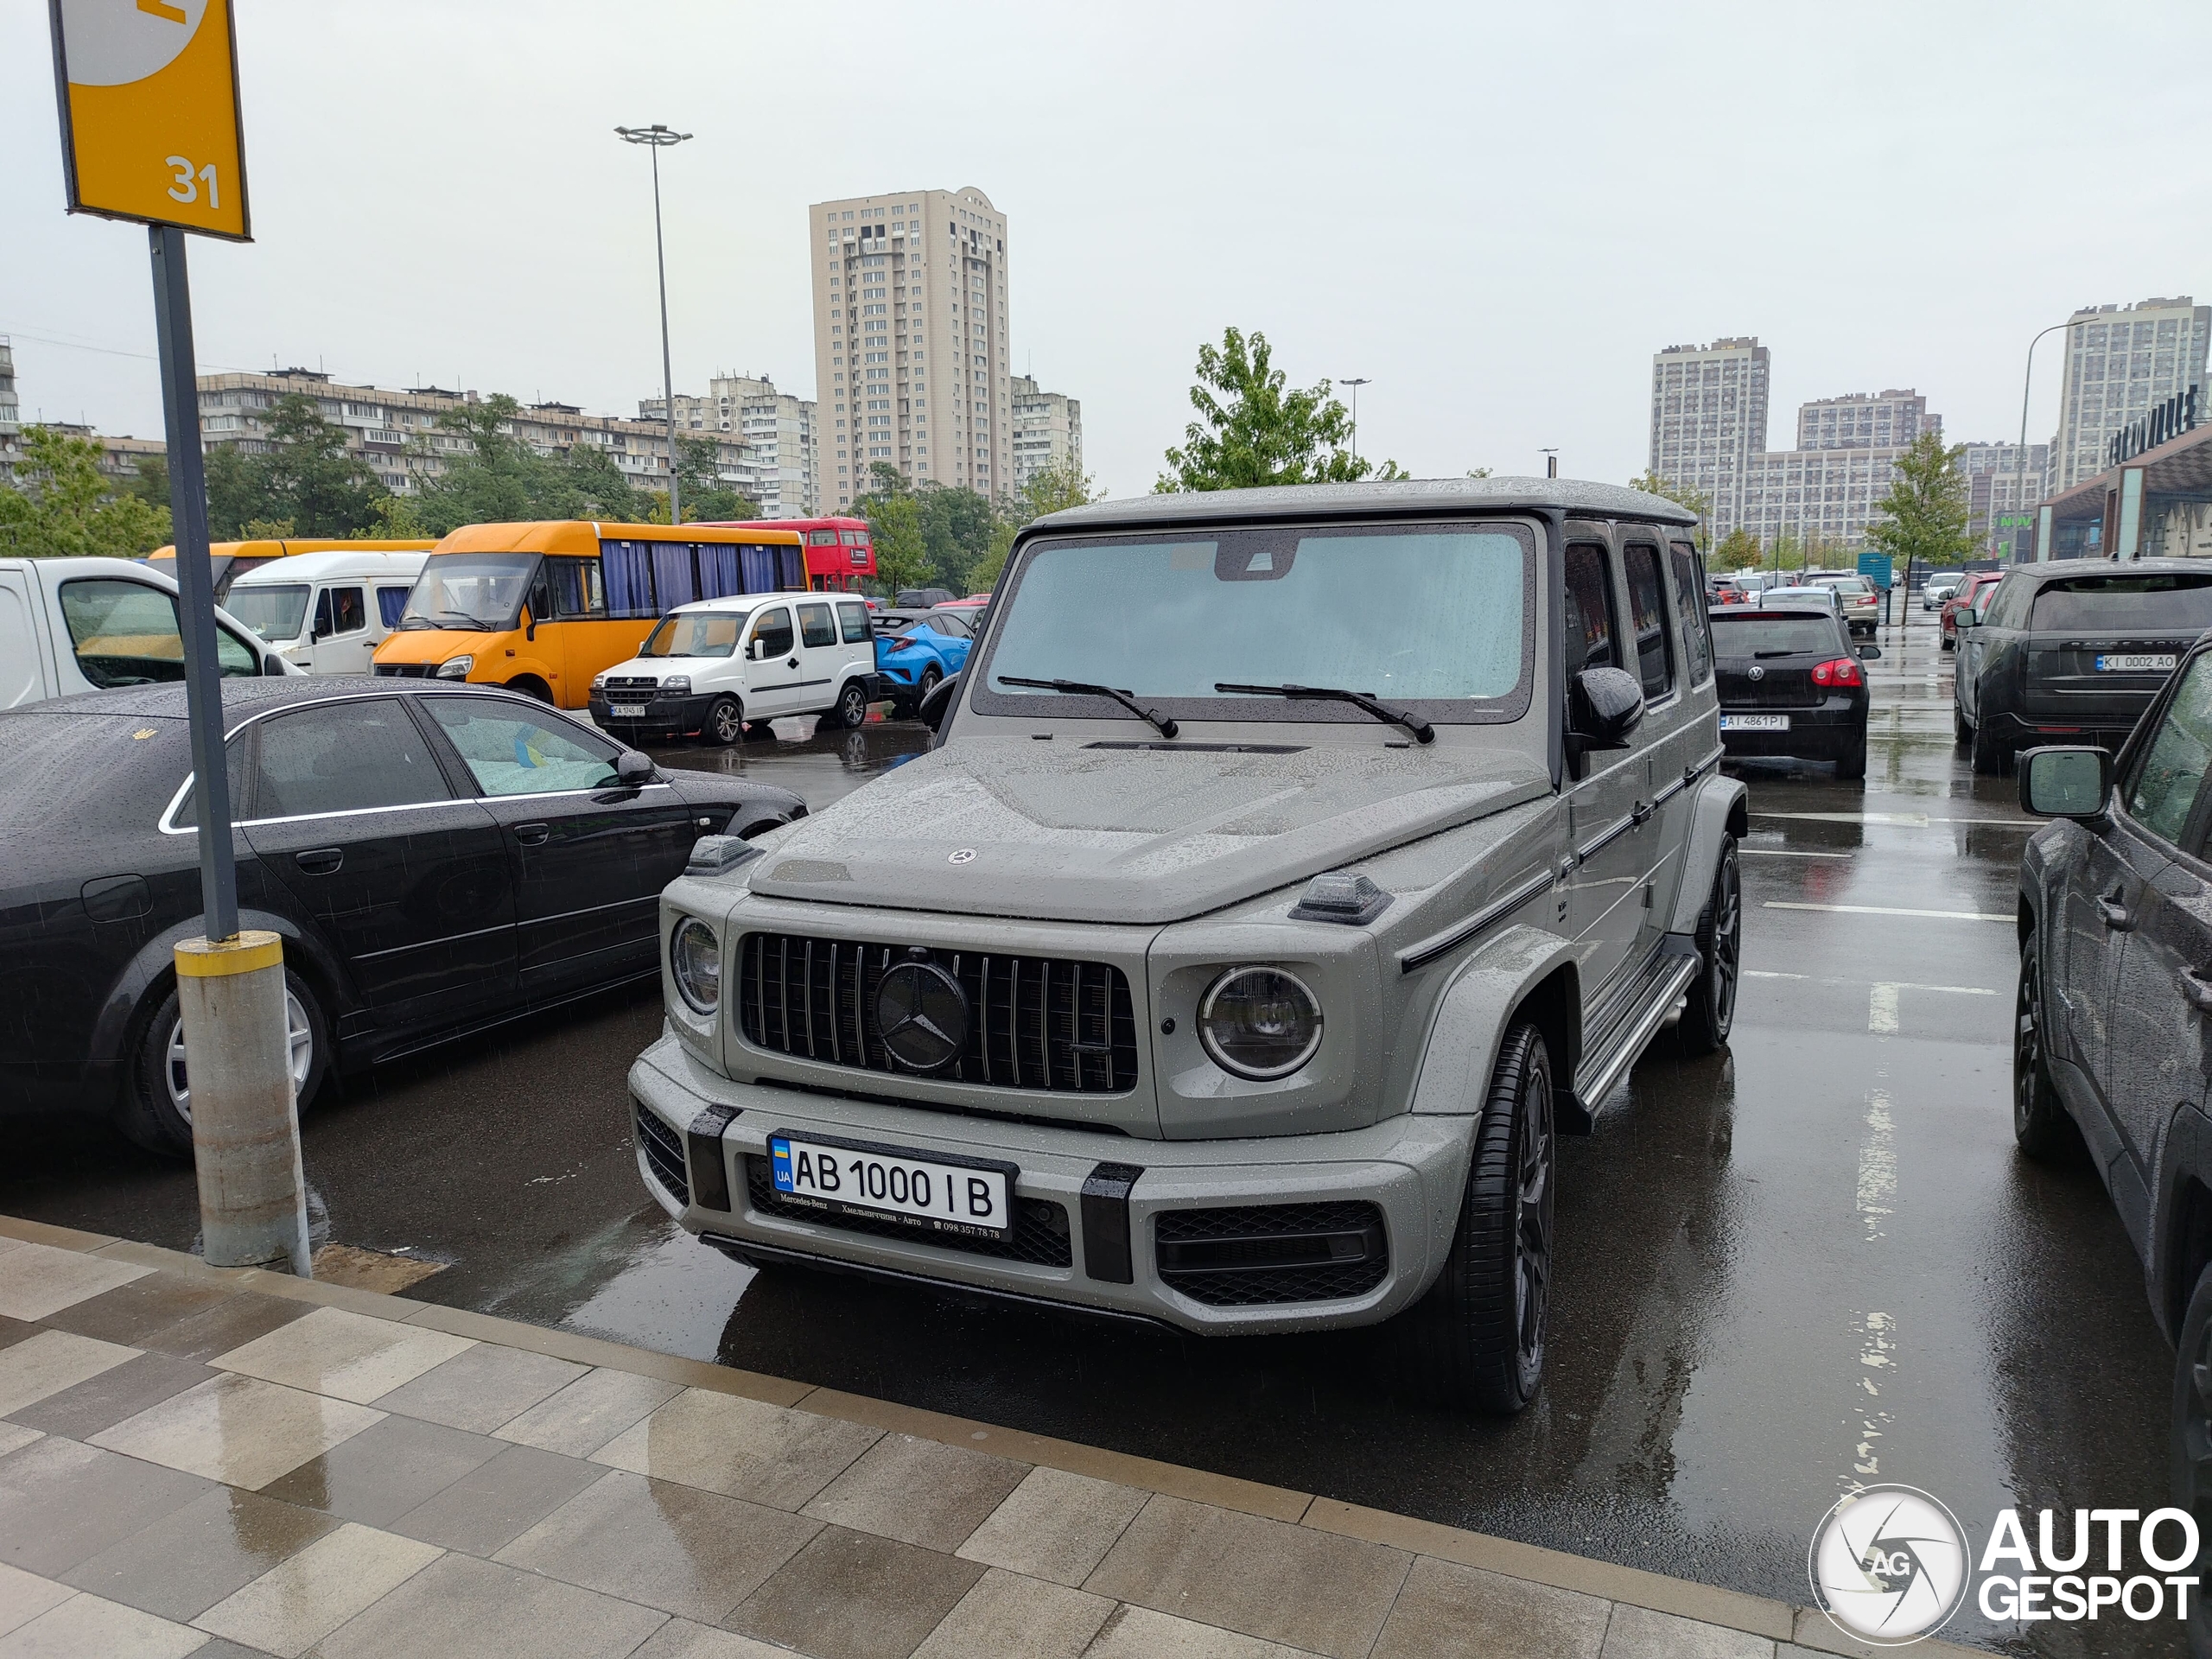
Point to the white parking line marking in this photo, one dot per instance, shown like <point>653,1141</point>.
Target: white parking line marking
<point>1788,852</point>
<point>1882,1010</point>
<point>1889,910</point>
<point>1904,820</point>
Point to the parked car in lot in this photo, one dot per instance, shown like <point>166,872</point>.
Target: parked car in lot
<point>1806,598</point>
<point>437,859</point>
<point>2072,651</point>
<point>713,669</point>
<point>1239,951</point>
<point>1790,684</point>
<point>922,599</point>
<point>1856,599</point>
<point>1936,590</point>
<point>325,612</point>
<point>913,654</point>
<point>2114,1006</point>
<point>1969,585</point>
<point>83,625</point>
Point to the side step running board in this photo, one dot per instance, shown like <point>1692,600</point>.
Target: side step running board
<point>1678,965</point>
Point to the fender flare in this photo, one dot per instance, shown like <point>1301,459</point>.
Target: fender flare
<point>156,959</point>
<point>1720,810</point>
<point>1472,1015</point>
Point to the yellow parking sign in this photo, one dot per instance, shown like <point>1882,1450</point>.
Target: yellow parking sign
<point>150,112</point>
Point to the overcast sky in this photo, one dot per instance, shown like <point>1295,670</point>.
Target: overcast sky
<point>1496,212</point>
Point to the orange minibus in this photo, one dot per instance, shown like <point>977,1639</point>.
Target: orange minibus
<point>230,560</point>
<point>545,607</point>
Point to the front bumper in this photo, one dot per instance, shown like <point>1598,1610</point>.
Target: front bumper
<point>684,715</point>
<point>1412,1170</point>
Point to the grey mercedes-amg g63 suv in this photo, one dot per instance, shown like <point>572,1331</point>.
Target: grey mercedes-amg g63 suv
<point>1291,867</point>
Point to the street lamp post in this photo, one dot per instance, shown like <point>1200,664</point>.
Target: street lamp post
<point>2027,380</point>
<point>1355,384</point>
<point>658,138</point>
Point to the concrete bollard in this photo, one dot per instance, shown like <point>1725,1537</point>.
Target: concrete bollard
<point>245,1125</point>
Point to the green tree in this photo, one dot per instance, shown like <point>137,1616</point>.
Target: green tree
<point>586,484</point>
<point>1682,496</point>
<point>61,504</point>
<point>1058,487</point>
<point>1925,514</point>
<point>149,479</point>
<point>495,479</point>
<point>1253,430</point>
<point>1738,551</point>
<point>233,493</point>
<point>397,518</point>
<point>308,475</point>
<point>957,525</point>
<point>902,558</point>
<point>705,495</point>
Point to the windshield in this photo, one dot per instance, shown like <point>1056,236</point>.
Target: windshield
<point>2176,601</point>
<point>1740,633</point>
<point>469,590</point>
<point>695,634</point>
<point>1426,615</point>
<point>273,610</point>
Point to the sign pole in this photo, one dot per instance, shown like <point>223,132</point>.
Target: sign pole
<point>196,580</point>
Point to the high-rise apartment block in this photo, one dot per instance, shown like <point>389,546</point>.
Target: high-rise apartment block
<point>2004,485</point>
<point>1708,418</point>
<point>2119,364</point>
<point>1047,431</point>
<point>910,341</point>
<point>1891,421</point>
<point>779,465</point>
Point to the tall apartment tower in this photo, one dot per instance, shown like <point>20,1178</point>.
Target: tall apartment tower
<point>1708,419</point>
<point>1891,421</point>
<point>778,468</point>
<point>910,342</point>
<point>1047,431</point>
<point>2120,362</point>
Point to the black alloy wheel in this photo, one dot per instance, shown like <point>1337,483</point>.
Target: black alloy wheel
<point>2044,1129</point>
<point>1477,1339</point>
<point>2192,1444</point>
<point>725,722</point>
<point>852,706</point>
<point>1709,1011</point>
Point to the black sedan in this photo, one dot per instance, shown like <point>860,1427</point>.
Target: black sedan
<point>435,860</point>
<point>2072,651</point>
<point>1790,684</point>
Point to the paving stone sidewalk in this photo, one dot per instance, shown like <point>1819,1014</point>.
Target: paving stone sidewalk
<point>236,1463</point>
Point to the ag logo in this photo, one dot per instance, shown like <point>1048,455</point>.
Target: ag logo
<point>964,855</point>
<point>922,1014</point>
<point>1889,1565</point>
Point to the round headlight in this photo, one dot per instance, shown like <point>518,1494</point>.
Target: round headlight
<point>694,960</point>
<point>1260,1022</point>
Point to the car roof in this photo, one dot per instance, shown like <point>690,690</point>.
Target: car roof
<point>165,700</point>
<point>1427,497</point>
<point>2063,569</point>
<point>335,561</point>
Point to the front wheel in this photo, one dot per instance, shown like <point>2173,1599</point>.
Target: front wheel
<point>725,722</point>
<point>2192,1440</point>
<point>155,1111</point>
<point>1709,1011</point>
<point>1477,1339</point>
<point>2041,1124</point>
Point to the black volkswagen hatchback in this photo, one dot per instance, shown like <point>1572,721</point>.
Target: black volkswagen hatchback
<point>435,859</point>
<point>1790,684</point>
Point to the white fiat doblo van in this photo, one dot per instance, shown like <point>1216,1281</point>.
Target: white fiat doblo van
<point>717,666</point>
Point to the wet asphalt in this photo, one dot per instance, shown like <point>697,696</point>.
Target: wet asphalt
<point>1809,1261</point>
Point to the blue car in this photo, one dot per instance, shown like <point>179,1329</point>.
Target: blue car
<point>912,655</point>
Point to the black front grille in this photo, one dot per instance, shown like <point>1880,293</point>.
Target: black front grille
<point>1249,1254</point>
<point>405,671</point>
<point>664,1150</point>
<point>1040,1227</point>
<point>1034,1022</point>
<point>631,683</point>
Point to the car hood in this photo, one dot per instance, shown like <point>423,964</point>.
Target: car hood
<point>992,826</point>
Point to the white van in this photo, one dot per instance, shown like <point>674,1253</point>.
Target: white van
<point>85,625</point>
<point>325,612</point>
<point>712,669</point>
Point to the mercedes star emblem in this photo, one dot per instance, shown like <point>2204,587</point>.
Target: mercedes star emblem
<point>922,1012</point>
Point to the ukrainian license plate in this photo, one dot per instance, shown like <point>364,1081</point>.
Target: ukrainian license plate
<point>626,710</point>
<point>2138,663</point>
<point>846,1178</point>
<point>1754,722</point>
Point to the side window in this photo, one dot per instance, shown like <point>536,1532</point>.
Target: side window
<point>125,632</point>
<point>322,629</point>
<point>855,618</point>
<point>342,757</point>
<point>1689,604</point>
<point>816,625</point>
<point>951,627</point>
<point>512,750</point>
<point>348,612</point>
<point>2164,787</point>
<point>391,602</point>
<point>1647,599</point>
<point>576,588</point>
<point>1589,600</point>
<point>772,629</point>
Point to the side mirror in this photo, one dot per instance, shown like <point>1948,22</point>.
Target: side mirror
<point>1603,708</point>
<point>752,651</point>
<point>937,705</point>
<point>2065,782</point>
<point>1869,653</point>
<point>633,769</point>
<point>529,625</point>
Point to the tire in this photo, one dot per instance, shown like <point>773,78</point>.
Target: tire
<point>2192,1442</point>
<point>2044,1129</point>
<point>725,722</point>
<point>1477,1339</point>
<point>1851,763</point>
<point>530,686</point>
<point>1961,728</point>
<point>155,1111</point>
<point>931,677</point>
<point>1709,1013</point>
<point>1990,756</point>
<point>851,712</point>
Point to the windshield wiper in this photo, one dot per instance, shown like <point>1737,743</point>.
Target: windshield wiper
<point>453,619</point>
<point>1422,731</point>
<point>1792,651</point>
<point>1159,722</point>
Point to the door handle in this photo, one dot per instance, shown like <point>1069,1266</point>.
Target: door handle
<point>1641,814</point>
<point>2195,989</point>
<point>320,860</point>
<point>2114,912</point>
<point>533,835</point>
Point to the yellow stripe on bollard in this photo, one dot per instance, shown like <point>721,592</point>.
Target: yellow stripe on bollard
<point>253,949</point>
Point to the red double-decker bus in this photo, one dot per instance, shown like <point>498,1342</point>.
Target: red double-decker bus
<point>839,552</point>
